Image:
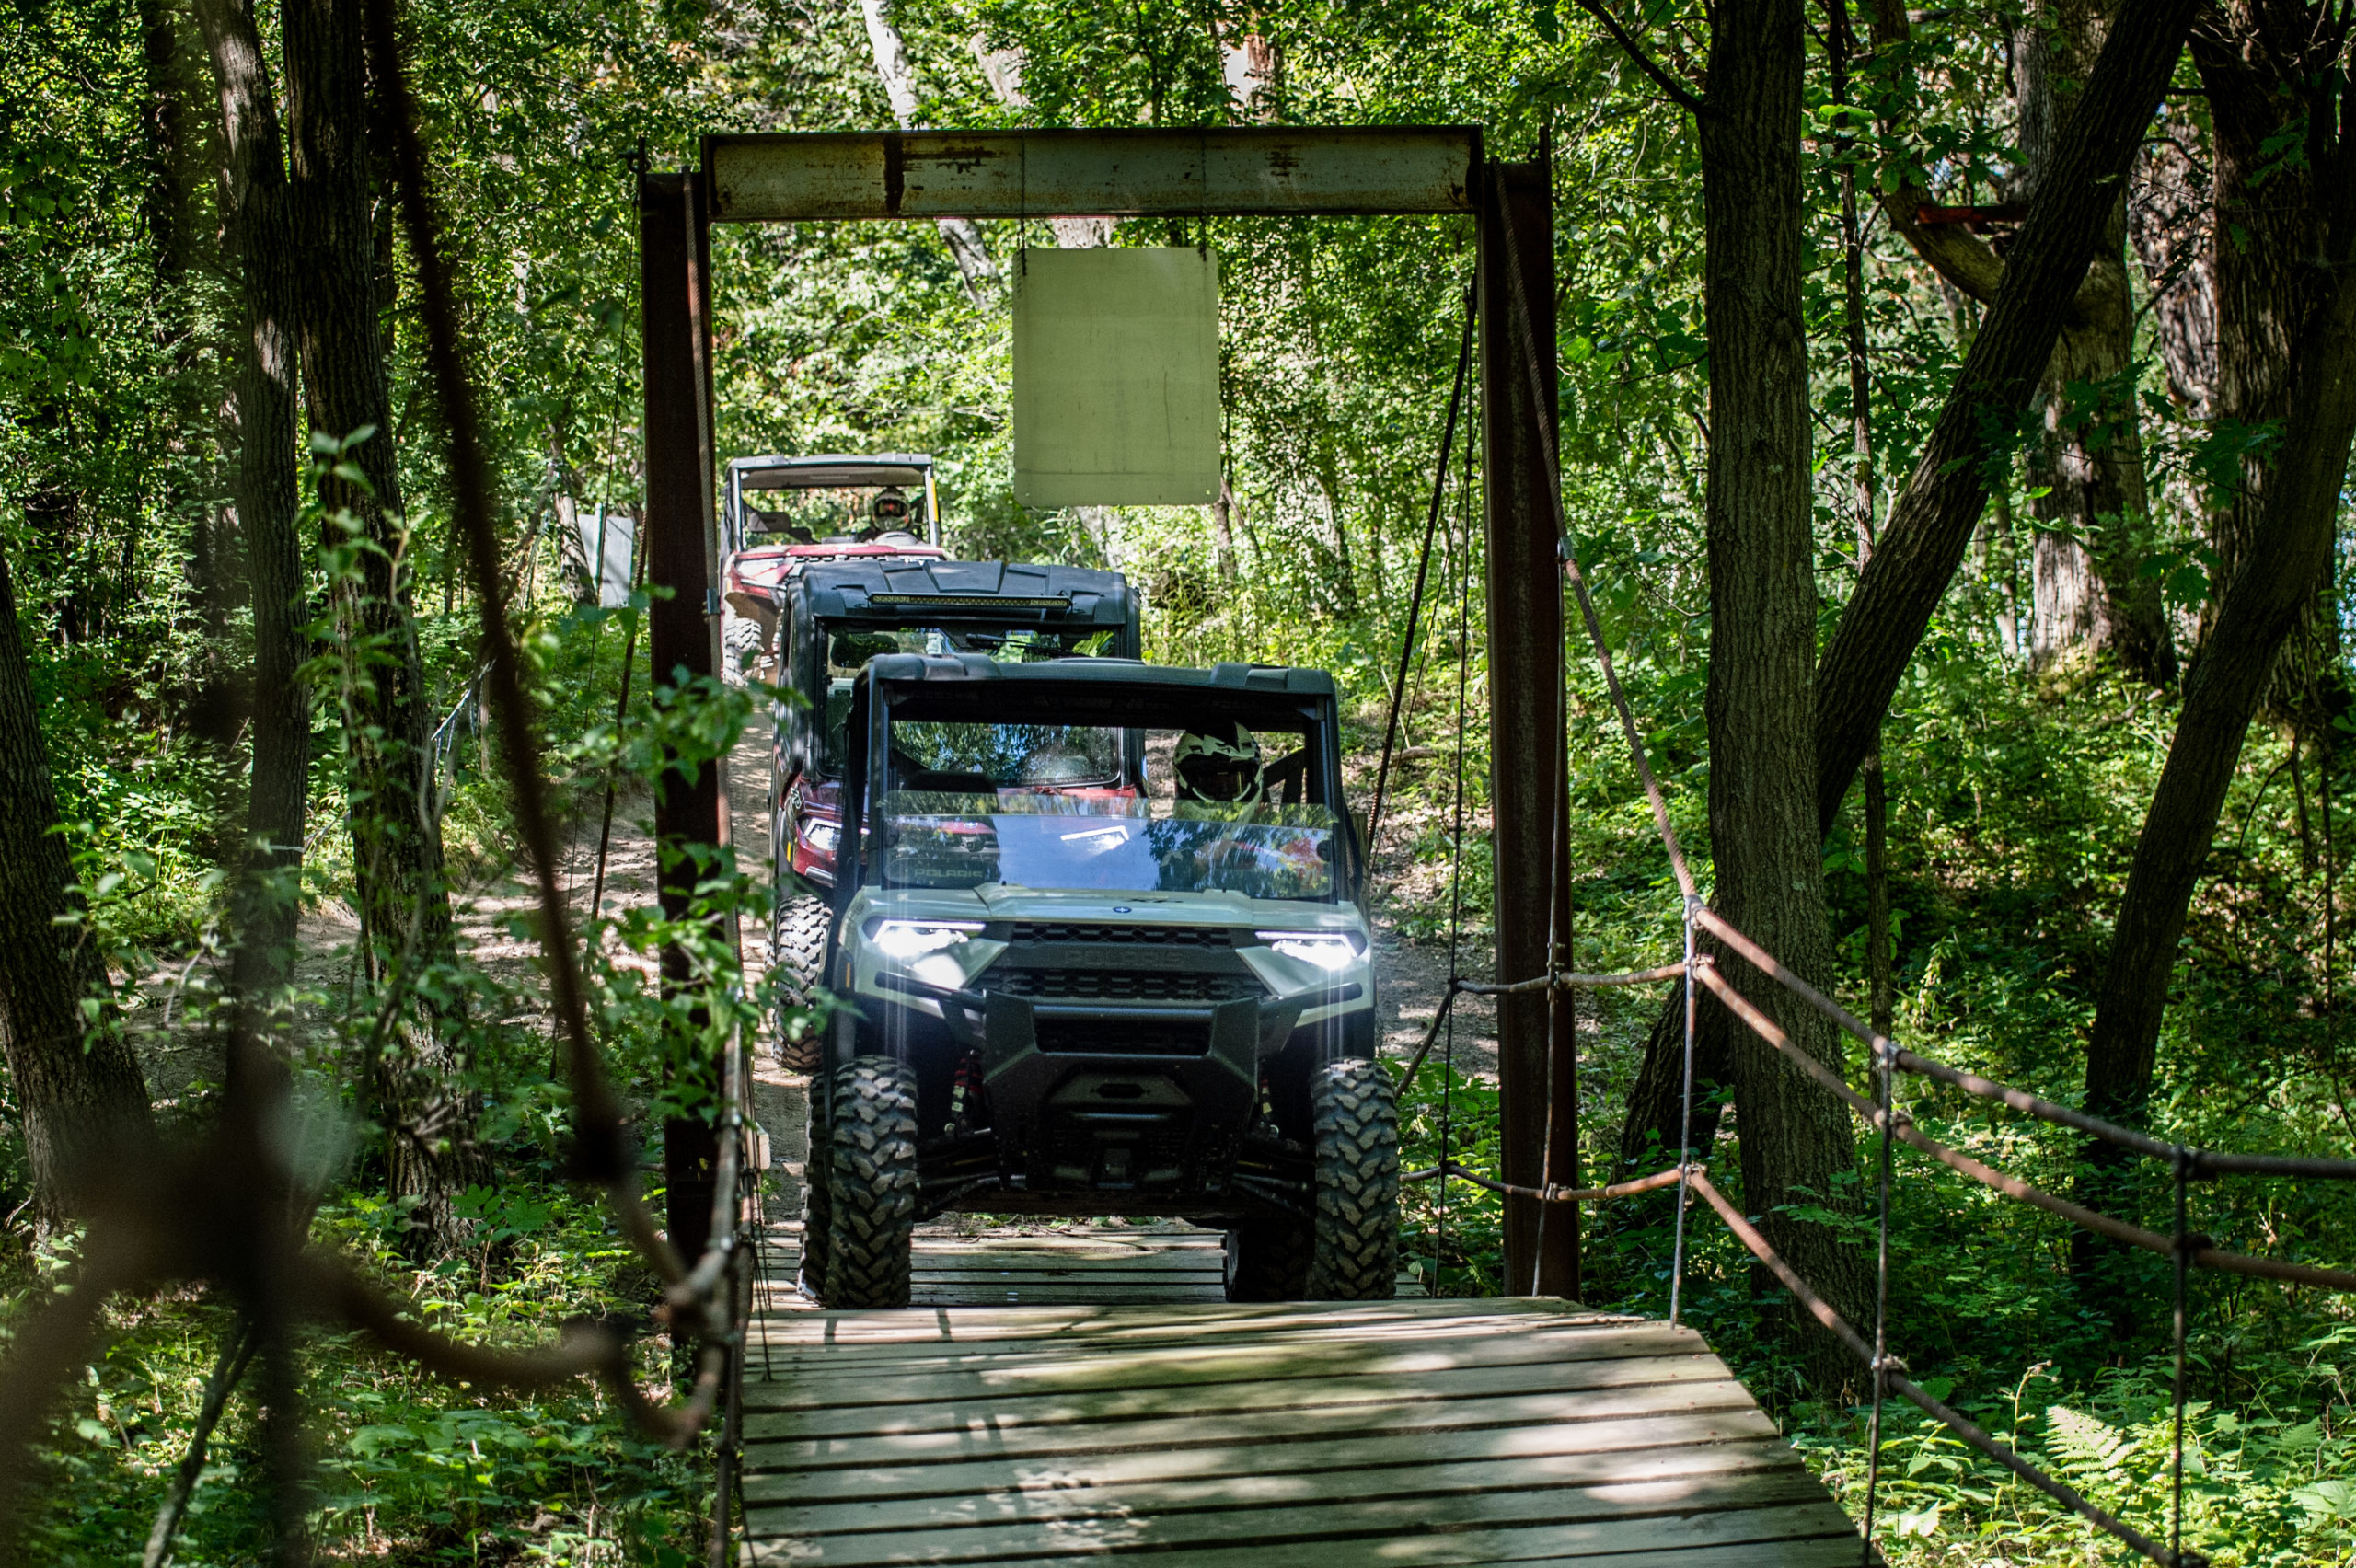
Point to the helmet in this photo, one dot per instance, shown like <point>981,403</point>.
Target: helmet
<point>889,508</point>
<point>1220,763</point>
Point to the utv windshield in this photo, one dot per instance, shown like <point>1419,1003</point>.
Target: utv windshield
<point>1107,842</point>
<point>838,511</point>
<point>1104,807</point>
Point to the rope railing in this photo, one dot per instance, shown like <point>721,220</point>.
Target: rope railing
<point>1561,980</point>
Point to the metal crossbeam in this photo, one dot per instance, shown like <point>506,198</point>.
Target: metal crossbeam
<point>1237,172</point>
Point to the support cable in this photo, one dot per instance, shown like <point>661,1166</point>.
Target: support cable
<point>1447,1013</point>
<point>2183,1261</point>
<point>1423,568</point>
<point>1523,318</point>
<point>1685,1133</point>
<point>1886,1090</point>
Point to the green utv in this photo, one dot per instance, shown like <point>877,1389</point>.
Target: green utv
<point>1095,939</point>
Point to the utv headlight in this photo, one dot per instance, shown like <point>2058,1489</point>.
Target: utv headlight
<point>904,941</point>
<point>1326,949</point>
<point>821,835</point>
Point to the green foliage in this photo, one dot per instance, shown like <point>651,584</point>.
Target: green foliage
<point>408,1467</point>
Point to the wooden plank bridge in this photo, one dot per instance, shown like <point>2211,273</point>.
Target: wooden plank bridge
<point>1084,1394</point>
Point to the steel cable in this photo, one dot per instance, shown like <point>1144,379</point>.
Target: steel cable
<point>1423,570</point>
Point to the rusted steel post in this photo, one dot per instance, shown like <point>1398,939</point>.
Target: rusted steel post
<point>683,626</point>
<point>1526,727</point>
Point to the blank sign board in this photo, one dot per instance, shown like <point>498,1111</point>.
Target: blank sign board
<point>1116,378</point>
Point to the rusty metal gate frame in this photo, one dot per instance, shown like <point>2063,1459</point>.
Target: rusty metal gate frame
<point>1228,171</point>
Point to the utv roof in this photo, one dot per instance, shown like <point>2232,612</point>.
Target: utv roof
<point>1274,680</point>
<point>825,470</point>
<point>889,589</point>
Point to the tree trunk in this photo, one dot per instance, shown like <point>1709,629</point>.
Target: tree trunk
<point>2093,519</point>
<point>2283,528</point>
<point>1763,833</point>
<point>76,1084</point>
<point>418,1083</point>
<point>262,240</point>
<point>1931,524</point>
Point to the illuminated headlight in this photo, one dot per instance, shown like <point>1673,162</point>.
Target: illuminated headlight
<point>821,835</point>
<point>1327,949</point>
<point>904,941</point>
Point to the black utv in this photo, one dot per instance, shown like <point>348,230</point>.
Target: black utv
<point>1095,930</point>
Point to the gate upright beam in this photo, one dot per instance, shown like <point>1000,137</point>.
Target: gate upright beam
<point>682,628</point>
<point>1526,740</point>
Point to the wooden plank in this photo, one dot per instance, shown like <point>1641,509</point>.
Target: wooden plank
<point>785,1442</point>
<point>1655,1515</point>
<point>921,1326</point>
<point>886,1478</point>
<point>1473,1461</point>
<point>1208,1367</point>
<point>904,1360</point>
<point>1252,1505</point>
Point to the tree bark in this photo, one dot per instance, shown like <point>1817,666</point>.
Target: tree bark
<point>261,241</point>
<point>2287,520</point>
<point>1764,838</point>
<point>78,1085</point>
<point>418,1081</point>
<point>1931,524</point>
<point>2093,519</point>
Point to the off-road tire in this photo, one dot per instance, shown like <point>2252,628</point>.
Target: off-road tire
<point>740,648</point>
<point>871,1180</point>
<point>797,959</point>
<point>1354,1247</point>
<point>1267,1260</point>
<point>816,1213</point>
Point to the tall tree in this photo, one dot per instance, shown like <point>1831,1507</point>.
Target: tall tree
<point>1930,523</point>
<point>261,241</point>
<point>76,1084</point>
<point>2287,294</point>
<point>418,1081</point>
<point>1763,833</point>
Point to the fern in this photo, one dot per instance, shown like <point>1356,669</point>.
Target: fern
<point>2086,1446</point>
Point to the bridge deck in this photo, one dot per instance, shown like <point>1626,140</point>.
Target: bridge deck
<point>1085,1395</point>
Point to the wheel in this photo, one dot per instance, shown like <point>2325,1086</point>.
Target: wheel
<point>1354,1247</point>
<point>872,1181</point>
<point>741,648</point>
<point>1267,1260</point>
<point>797,956</point>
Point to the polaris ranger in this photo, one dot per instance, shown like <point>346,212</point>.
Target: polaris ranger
<point>832,619</point>
<point>1096,930</point>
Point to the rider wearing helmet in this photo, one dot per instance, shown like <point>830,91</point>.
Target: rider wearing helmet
<point>890,509</point>
<point>1220,763</point>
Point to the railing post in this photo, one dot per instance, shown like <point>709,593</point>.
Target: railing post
<point>1525,640</point>
<point>682,628</point>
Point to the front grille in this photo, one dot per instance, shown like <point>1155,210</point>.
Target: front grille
<point>1128,935</point>
<point>1113,986</point>
<point>1116,1037</point>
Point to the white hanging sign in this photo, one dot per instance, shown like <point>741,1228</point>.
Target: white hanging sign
<point>1116,378</point>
